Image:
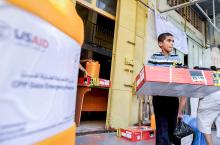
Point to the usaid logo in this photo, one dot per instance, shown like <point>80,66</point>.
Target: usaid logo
<point>5,31</point>
<point>29,38</point>
<point>23,37</point>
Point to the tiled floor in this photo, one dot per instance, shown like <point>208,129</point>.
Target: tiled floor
<point>111,139</point>
<point>90,127</point>
<point>95,135</point>
<point>107,139</point>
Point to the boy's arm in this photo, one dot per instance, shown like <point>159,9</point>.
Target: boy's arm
<point>183,99</point>
<point>181,106</point>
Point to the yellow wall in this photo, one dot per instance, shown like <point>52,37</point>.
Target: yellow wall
<point>127,60</point>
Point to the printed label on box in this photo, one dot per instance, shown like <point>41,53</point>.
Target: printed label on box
<point>197,76</point>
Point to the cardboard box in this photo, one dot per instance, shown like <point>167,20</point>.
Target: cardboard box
<point>137,133</point>
<point>165,81</point>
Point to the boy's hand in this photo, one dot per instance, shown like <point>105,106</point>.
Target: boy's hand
<point>181,107</point>
<point>180,115</point>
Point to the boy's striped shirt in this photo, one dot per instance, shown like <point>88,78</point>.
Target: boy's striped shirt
<point>158,59</point>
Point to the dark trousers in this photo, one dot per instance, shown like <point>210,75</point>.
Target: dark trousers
<point>166,110</point>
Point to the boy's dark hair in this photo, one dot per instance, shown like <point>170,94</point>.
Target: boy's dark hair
<point>163,36</point>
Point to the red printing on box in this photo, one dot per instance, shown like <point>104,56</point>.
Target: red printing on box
<point>138,133</point>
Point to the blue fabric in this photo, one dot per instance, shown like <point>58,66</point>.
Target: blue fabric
<point>199,138</point>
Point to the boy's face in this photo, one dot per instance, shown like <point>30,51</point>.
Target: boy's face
<point>167,44</point>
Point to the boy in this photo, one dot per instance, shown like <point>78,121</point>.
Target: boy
<point>166,109</point>
<point>208,113</point>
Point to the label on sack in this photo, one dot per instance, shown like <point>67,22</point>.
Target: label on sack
<point>38,79</point>
<point>187,140</point>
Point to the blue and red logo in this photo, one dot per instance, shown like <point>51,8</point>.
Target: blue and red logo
<point>31,38</point>
<point>23,37</point>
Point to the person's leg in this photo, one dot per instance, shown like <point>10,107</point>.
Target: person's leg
<point>206,117</point>
<point>217,123</point>
<point>208,138</point>
<point>162,137</point>
<point>172,118</point>
<point>194,102</point>
<point>204,125</point>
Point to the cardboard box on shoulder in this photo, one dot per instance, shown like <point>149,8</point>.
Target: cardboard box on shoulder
<point>165,81</point>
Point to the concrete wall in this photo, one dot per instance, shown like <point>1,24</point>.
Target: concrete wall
<point>214,39</point>
<point>212,35</point>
